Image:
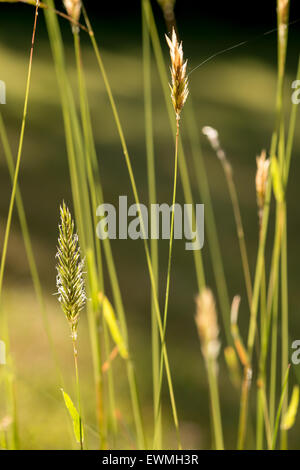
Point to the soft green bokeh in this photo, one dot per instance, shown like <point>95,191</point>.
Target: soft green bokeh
<point>234,93</point>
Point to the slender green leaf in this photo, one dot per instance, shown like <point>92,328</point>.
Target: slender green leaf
<point>284,386</point>
<point>290,416</point>
<point>74,416</point>
<point>111,320</point>
<point>277,181</point>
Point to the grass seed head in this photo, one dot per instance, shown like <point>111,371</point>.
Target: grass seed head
<point>283,7</point>
<point>261,178</point>
<point>73,8</point>
<point>213,138</point>
<point>167,7</point>
<point>69,280</point>
<point>179,86</point>
<point>283,11</point>
<point>207,324</point>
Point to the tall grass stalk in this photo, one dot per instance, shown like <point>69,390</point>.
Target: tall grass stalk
<point>215,405</point>
<point>273,293</point>
<point>79,188</point>
<point>179,93</point>
<point>202,182</point>
<point>20,149</point>
<point>266,417</point>
<point>181,159</point>
<point>277,135</point>
<point>273,301</point>
<point>137,201</point>
<point>285,175</point>
<point>239,227</point>
<point>153,244</point>
<point>273,367</point>
<point>283,7</point>
<point>269,311</point>
<point>263,168</point>
<point>70,120</point>
<point>261,392</point>
<point>272,314</point>
<point>75,354</point>
<point>280,407</point>
<point>210,222</point>
<point>157,410</point>
<point>10,384</point>
<point>70,117</point>
<point>253,313</point>
<point>213,138</point>
<point>97,198</point>
<point>284,321</point>
<point>94,329</point>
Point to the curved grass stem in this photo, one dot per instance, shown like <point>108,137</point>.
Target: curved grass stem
<point>137,201</point>
<point>157,410</point>
<point>153,243</point>
<point>20,149</point>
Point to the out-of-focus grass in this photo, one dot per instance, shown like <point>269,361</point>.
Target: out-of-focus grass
<point>234,93</point>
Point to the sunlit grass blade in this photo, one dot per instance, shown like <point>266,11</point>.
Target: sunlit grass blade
<point>152,200</point>
<point>19,154</point>
<point>289,417</point>
<point>109,315</point>
<point>76,420</point>
<point>137,201</point>
<point>278,414</point>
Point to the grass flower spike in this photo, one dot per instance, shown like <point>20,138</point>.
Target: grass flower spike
<point>208,330</point>
<point>167,7</point>
<point>261,178</point>
<point>69,281</point>
<point>283,7</point>
<point>207,324</point>
<point>179,87</point>
<point>213,138</point>
<point>73,8</point>
<point>283,12</point>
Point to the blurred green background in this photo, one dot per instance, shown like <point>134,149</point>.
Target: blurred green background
<point>235,93</point>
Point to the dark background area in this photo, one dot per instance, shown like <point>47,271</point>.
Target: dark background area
<point>250,14</point>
